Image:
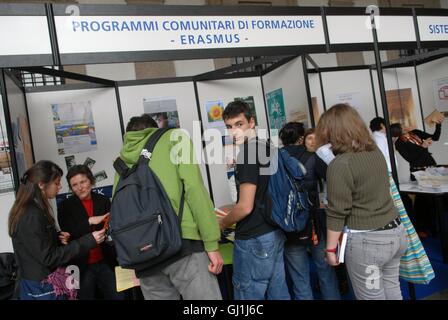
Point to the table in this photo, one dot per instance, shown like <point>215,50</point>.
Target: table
<point>441,216</point>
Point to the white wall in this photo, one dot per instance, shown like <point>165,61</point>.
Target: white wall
<point>290,78</point>
<point>355,83</point>
<point>315,91</point>
<point>106,121</point>
<point>226,91</point>
<point>132,105</point>
<point>426,74</point>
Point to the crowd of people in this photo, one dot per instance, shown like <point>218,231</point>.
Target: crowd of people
<point>267,262</point>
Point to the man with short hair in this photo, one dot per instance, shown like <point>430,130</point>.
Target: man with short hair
<point>378,128</point>
<point>258,265</point>
<point>192,272</point>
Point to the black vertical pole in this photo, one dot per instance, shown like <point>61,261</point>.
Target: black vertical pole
<point>12,150</point>
<point>120,111</point>
<point>322,90</point>
<point>265,108</point>
<point>382,90</point>
<point>373,91</point>
<point>207,169</point>
<point>419,96</point>
<point>308,92</point>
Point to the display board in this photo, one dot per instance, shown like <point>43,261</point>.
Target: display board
<point>166,98</point>
<point>77,127</point>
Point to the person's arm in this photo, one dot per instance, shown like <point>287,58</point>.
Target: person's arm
<point>244,206</point>
<point>34,232</point>
<point>409,151</point>
<point>437,132</point>
<point>198,198</point>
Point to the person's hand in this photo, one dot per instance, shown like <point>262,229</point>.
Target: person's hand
<point>98,219</point>
<point>221,224</point>
<point>99,235</point>
<point>64,237</point>
<point>332,260</point>
<point>439,120</point>
<point>216,262</point>
<point>426,143</point>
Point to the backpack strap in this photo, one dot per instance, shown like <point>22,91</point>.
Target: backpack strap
<point>146,153</point>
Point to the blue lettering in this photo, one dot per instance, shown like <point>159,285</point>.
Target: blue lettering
<point>95,26</point>
<point>183,39</point>
<point>115,26</point>
<point>75,25</point>
<point>190,39</point>
<point>84,24</point>
<point>431,30</point>
<point>137,26</point>
<point>241,24</point>
<point>124,26</point>
<point>165,25</point>
<point>105,25</point>
<point>237,38</point>
<point>312,24</point>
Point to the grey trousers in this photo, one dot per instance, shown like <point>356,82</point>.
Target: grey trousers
<point>372,260</point>
<point>188,277</point>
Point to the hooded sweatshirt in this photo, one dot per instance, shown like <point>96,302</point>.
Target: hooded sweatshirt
<point>199,221</point>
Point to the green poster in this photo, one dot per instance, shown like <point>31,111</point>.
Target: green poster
<point>276,109</point>
<point>250,101</point>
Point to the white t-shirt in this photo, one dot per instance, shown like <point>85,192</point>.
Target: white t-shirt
<point>381,141</point>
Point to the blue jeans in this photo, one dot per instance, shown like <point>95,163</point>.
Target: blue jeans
<point>259,269</point>
<point>298,268</point>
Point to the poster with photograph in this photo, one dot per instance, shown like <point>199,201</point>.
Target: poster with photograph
<point>401,107</point>
<point>276,110</point>
<point>214,110</point>
<point>74,126</point>
<point>251,102</point>
<point>163,111</point>
<point>440,87</point>
<point>6,181</point>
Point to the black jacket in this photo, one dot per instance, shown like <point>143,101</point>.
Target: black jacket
<point>73,218</point>
<point>37,248</point>
<point>416,155</point>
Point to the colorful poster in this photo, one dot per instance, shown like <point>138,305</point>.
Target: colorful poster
<point>440,87</point>
<point>74,126</point>
<point>401,107</point>
<point>250,101</point>
<point>6,181</point>
<point>214,110</point>
<point>163,111</point>
<point>276,110</point>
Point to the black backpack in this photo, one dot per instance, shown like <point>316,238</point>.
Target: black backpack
<point>144,227</point>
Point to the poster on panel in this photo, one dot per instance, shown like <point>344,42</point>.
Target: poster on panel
<point>74,127</point>
<point>214,110</point>
<point>440,87</point>
<point>276,110</point>
<point>401,107</point>
<point>163,111</point>
<point>6,181</point>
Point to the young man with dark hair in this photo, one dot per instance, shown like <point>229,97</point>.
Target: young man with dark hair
<point>258,265</point>
<point>378,128</point>
<point>192,272</point>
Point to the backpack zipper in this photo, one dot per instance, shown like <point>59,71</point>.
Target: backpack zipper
<point>140,222</point>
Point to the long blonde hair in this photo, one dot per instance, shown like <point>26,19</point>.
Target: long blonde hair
<point>30,193</point>
<point>342,126</point>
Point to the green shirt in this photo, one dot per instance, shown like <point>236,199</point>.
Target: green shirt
<point>359,192</point>
<point>199,221</point>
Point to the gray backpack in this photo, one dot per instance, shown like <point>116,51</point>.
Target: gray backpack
<point>144,226</point>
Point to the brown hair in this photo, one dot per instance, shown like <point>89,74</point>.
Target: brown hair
<point>342,126</point>
<point>80,169</point>
<point>30,194</point>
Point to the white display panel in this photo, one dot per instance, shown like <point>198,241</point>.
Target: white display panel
<point>78,34</point>
<point>356,29</point>
<point>6,202</point>
<point>290,78</point>
<point>226,91</point>
<point>427,73</point>
<point>353,87</point>
<point>21,35</point>
<point>433,28</point>
<point>316,96</point>
<point>183,92</point>
<point>106,123</point>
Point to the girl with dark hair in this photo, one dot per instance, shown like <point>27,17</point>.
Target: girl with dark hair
<point>34,237</point>
<point>79,215</point>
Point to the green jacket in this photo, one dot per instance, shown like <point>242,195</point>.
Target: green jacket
<point>199,221</point>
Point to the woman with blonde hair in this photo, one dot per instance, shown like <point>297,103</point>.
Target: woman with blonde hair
<point>359,199</point>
